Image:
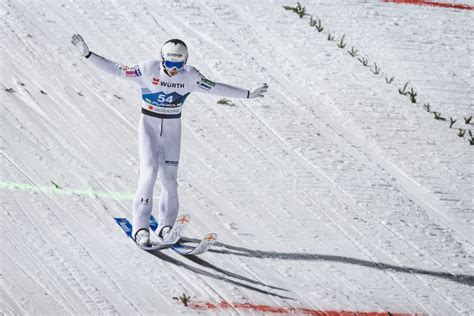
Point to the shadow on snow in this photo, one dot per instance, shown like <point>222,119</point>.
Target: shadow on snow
<point>222,274</point>
<point>226,276</point>
<point>244,252</point>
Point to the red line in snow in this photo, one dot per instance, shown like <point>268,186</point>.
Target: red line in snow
<point>285,310</point>
<point>434,4</point>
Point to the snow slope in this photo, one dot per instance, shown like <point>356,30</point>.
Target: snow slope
<point>332,193</point>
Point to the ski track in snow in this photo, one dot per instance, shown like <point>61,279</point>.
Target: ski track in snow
<point>331,193</point>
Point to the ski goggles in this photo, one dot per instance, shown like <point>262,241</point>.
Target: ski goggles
<point>174,64</point>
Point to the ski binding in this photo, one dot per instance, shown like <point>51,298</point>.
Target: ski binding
<point>182,246</point>
<point>172,238</point>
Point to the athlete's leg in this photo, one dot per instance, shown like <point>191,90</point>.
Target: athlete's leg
<point>148,134</point>
<point>168,172</point>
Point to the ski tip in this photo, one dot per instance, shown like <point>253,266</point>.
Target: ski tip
<point>211,237</point>
<point>183,218</point>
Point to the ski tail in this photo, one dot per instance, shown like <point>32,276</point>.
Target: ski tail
<point>125,225</point>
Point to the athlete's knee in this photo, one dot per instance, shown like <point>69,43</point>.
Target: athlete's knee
<point>149,166</point>
<point>169,183</point>
<point>148,172</point>
<point>169,179</point>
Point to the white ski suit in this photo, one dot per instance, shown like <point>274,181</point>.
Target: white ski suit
<point>159,130</point>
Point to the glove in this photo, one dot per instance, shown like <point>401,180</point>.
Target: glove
<point>258,92</point>
<point>78,41</point>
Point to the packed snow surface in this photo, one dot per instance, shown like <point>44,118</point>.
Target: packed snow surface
<point>334,192</point>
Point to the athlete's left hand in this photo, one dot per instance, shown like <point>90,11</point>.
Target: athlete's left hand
<point>258,92</point>
<point>80,44</point>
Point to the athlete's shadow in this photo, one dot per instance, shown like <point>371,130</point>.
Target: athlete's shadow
<point>244,252</point>
<point>222,274</point>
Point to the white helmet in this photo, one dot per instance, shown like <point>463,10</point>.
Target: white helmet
<point>174,50</point>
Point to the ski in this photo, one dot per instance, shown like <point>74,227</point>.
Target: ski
<point>204,245</point>
<point>170,239</point>
<point>173,240</point>
<point>182,248</point>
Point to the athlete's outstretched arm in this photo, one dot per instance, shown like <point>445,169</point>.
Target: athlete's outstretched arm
<point>201,84</point>
<point>111,67</point>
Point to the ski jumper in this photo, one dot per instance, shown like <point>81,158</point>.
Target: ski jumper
<point>159,130</point>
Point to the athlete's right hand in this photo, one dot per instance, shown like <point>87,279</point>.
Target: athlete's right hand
<point>80,44</point>
<point>258,92</point>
